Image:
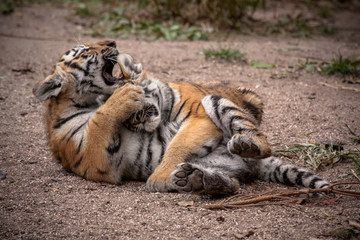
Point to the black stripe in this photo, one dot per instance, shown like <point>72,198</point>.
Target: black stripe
<point>78,162</point>
<point>85,173</point>
<point>230,108</point>
<point>276,176</point>
<point>78,105</point>
<point>76,130</point>
<point>313,182</point>
<point>197,108</point>
<point>88,63</point>
<point>80,144</point>
<point>299,178</point>
<point>76,66</point>
<point>162,141</point>
<point>138,160</point>
<point>286,180</point>
<point>215,100</point>
<point>172,101</point>
<point>101,172</point>
<point>188,115</point>
<point>115,144</point>
<point>324,185</point>
<point>208,149</point>
<point>95,86</point>
<point>201,89</point>
<point>52,85</point>
<point>149,154</point>
<point>62,121</point>
<point>181,107</point>
<point>75,52</point>
<point>253,109</point>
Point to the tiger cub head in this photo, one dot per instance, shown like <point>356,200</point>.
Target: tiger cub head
<point>84,74</point>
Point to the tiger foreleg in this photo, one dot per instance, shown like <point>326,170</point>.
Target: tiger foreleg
<point>195,134</point>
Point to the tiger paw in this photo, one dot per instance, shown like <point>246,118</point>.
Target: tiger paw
<point>244,146</point>
<point>126,101</point>
<point>190,178</point>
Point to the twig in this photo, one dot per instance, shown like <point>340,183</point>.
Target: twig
<point>354,224</point>
<point>279,197</point>
<point>339,87</point>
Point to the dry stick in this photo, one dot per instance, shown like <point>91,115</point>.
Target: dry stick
<point>339,87</point>
<point>278,198</point>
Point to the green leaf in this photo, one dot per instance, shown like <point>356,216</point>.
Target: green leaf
<point>256,64</point>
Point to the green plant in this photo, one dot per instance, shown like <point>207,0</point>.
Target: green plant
<point>6,7</point>
<point>342,66</point>
<point>316,155</point>
<point>222,53</point>
<point>325,12</point>
<point>256,64</point>
<point>221,13</point>
<point>83,10</point>
<point>287,24</point>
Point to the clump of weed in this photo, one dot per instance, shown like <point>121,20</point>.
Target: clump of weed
<point>289,25</point>
<point>342,66</point>
<point>224,53</point>
<point>257,64</point>
<point>6,7</point>
<point>316,154</point>
<point>298,26</point>
<point>116,23</point>
<point>220,13</point>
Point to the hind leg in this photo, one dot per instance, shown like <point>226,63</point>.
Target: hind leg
<point>188,177</point>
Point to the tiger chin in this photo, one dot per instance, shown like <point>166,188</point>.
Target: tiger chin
<point>109,127</point>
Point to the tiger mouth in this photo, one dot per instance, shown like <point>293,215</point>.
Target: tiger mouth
<point>107,73</point>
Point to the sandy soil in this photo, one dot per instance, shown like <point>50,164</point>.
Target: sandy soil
<point>39,200</point>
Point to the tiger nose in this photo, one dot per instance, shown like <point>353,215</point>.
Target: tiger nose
<point>111,43</point>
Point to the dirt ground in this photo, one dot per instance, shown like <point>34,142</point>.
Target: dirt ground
<point>39,200</point>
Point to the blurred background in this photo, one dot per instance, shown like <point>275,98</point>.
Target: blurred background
<point>206,19</point>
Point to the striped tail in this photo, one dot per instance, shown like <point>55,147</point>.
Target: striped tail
<point>272,169</point>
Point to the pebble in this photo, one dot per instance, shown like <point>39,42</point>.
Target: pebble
<point>2,175</point>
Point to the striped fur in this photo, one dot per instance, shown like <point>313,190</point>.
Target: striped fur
<point>103,129</point>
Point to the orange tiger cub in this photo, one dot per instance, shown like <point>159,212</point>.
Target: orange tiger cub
<point>90,119</point>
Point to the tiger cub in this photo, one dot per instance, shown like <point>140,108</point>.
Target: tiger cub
<point>91,126</point>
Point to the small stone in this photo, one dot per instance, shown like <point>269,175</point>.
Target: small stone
<point>2,175</point>
<point>186,203</point>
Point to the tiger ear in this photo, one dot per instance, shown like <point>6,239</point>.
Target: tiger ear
<point>129,68</point>
<point>50,87</point>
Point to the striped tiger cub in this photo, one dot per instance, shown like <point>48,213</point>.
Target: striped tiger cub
<point>110,127</point>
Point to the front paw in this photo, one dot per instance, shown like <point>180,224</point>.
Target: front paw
<point>243,146</point>
<point>126,100</point>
